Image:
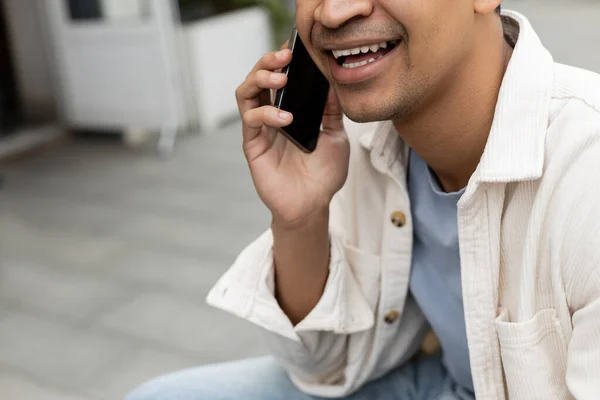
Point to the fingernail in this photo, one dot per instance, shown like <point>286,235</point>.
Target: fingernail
<point>284,115</point>
<point>280,54</point>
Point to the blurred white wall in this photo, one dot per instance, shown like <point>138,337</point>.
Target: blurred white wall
<point>246,36</point>
<point>119,9</point>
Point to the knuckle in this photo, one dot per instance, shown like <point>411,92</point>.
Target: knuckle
<point>261,76</point>
<point>256,76</point>
<point>265,112</point>
<point>246,117</point>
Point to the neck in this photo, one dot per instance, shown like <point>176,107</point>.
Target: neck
<point>450,132</point>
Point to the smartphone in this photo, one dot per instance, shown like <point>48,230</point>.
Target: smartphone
<point>304,95</point>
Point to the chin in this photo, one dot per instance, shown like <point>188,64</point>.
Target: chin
<point>365,105</point>
<point>364,113</point>
<point>361,111</point>
<point>362,116</point>
<point>381,108</point>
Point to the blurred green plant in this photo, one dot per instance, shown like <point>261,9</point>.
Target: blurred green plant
<point>281,17</point>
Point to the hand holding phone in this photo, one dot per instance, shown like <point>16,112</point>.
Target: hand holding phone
<point>293,183</point>
<point>304,95</point>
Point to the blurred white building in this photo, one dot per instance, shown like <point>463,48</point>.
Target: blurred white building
<point>121,65</point>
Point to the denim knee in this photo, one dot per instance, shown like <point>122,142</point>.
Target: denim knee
<point>260,379</point>
<point>151,390</point>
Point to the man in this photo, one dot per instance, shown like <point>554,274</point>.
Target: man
<point>466,203</point>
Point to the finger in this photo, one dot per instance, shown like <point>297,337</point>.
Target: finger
<point>273,92</point>
<point>283,47</point>
<point>249,92</point>
<point>257,118</point>
<point>273,61</point>
<point>269,82</point>
<point>333,117</point>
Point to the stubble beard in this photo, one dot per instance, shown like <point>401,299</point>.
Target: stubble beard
<point>398,106</point>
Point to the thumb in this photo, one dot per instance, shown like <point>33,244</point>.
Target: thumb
<point>333,115</point>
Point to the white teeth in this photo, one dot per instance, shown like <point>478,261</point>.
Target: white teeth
<point>358,64</point>
<point>363,49</point>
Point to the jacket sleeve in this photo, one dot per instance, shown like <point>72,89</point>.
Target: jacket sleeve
<point>583,365</point>
<point>583,361</point>
<point>314,351</point>
<point>577,213</point>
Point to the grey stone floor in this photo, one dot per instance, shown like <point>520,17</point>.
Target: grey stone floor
<point>106,257</point>
<point>106,254</point>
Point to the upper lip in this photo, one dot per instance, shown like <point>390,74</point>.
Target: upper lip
<point>354,43</point>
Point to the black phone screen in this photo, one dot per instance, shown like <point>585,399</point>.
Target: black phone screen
<point>304,95</point>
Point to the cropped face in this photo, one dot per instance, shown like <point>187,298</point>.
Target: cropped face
<point>387,58</point>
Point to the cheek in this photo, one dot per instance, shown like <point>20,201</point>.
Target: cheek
<point>428,25</point>
<point>417,18</point>
<point>305,10</point>
<point>305,13</point>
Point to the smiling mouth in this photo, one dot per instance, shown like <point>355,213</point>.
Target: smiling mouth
<point>362,55</point>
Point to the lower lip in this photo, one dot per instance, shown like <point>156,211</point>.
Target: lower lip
<point>360,74</point>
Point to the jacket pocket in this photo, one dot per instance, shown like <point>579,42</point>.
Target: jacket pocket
<point>366,268</point>
<point>534,356</point>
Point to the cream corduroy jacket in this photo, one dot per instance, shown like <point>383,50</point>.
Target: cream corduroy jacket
<point>529,233</point>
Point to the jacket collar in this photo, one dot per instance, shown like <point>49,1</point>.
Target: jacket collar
<point>515,147</point>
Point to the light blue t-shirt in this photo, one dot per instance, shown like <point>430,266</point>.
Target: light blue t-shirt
<point>435,280</point>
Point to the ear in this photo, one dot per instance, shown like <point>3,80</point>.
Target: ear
<point>485,6</point>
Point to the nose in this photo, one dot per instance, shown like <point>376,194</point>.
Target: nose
<point>335,13</point>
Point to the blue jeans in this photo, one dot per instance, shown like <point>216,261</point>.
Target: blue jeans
<point>264,379</point>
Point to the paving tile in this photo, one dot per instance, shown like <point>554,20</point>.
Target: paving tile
<point>16,387</point>
<point>55,353</point>
<point>51,180</point>
<point>140,367</point>
<point>179,233</point>
<point>23,240</point>
<point>58,291</point>
<point>53,213</point>
<point>197,328</point>
<point>7,308</point>
<point>202,205</point>
<point>172,271</point>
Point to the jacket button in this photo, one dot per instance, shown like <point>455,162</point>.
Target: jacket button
<point>398,219</point>
<point>391,317</point>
